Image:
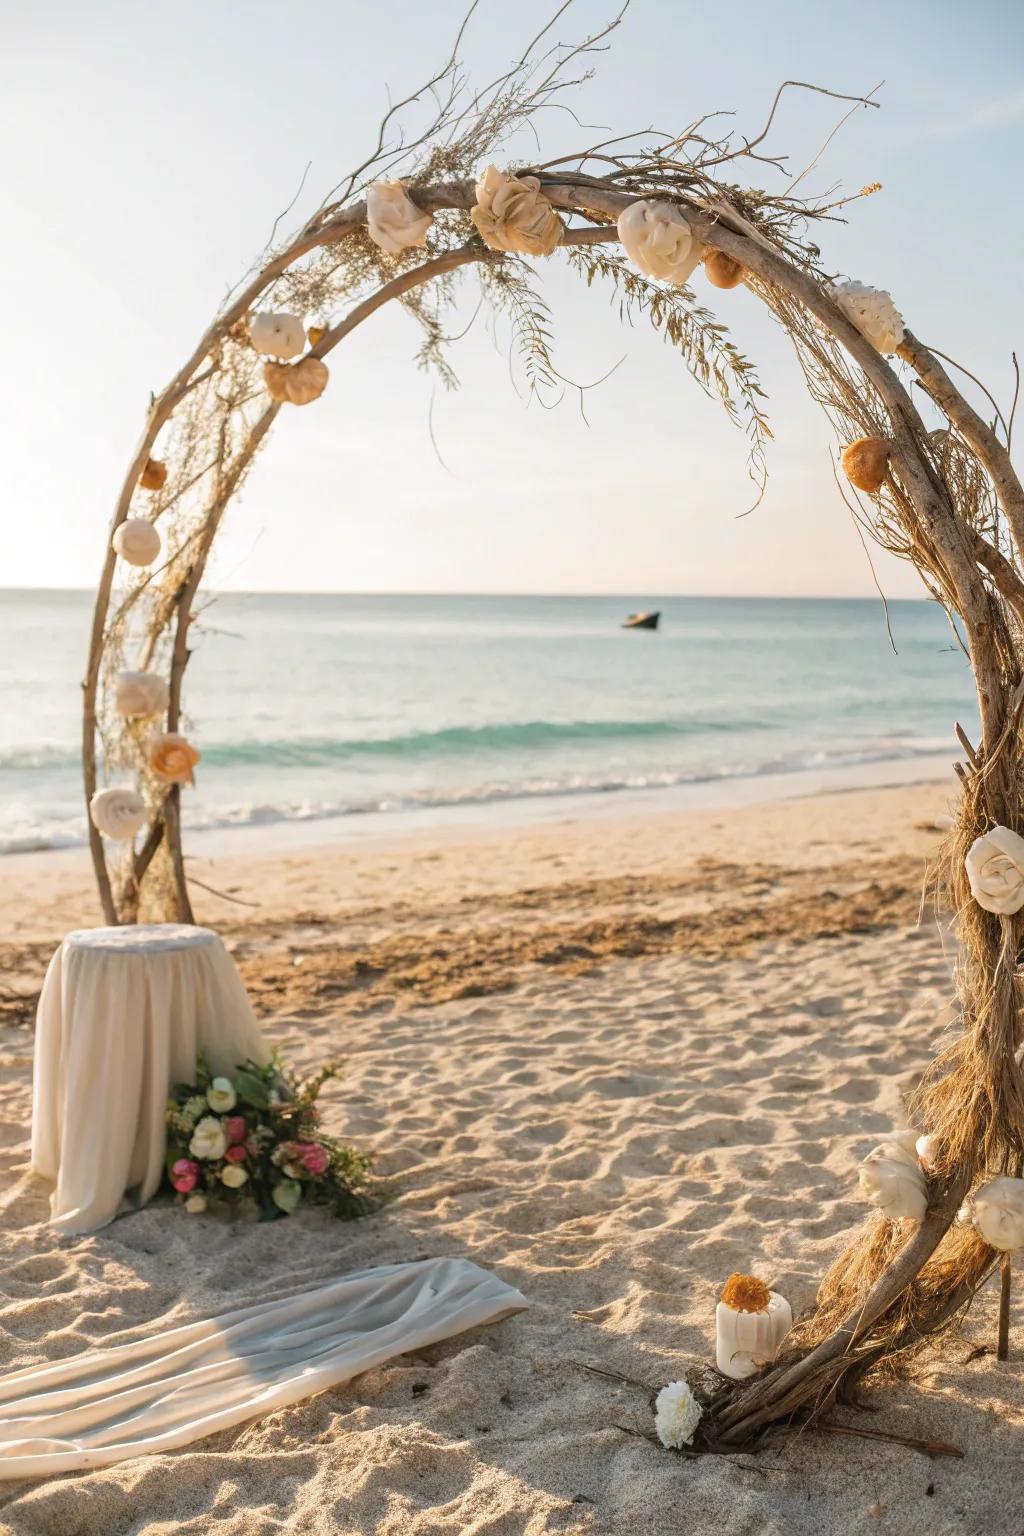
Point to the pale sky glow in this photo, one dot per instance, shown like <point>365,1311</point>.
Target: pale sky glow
<point>148,148</point>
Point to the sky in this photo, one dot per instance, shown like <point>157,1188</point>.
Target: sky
<point>149,147</point>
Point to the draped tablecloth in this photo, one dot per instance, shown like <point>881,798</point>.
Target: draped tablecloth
<point>175,1387</point>
<point>123,1015</point>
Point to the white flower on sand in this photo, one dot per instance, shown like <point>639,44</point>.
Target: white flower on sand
<point>138,695</point>
<point>676,1415</point>
<point>234,1176</point>
<point>512,214</point>
<point>117,813</point>
<point>221,1095</point>
<point>195,1204</point>
<point>657,239</point>
<point>208,1139</point>
<point>996,1211</point>
<point>873,312</point>
<point>393,220</point>
<point>892,1180</point>
<point>995,871</point>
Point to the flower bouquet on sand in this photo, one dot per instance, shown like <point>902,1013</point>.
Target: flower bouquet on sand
<point>254,1139</point>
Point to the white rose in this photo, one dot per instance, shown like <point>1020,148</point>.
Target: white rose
<point>221,1095</point>
<point>117,813</point>
<point>512,214</point>
<point>995,871</point>
<point>996,1210</point>
<point>234,1176</point>
<point>140,694</point>
<point>208,1139</point>
<point>195,1204</point>
<point>676,1415</point>
<point>891,1179</point>
<point>657,239</point>
<point>873,312</point>
<point>393,219</point>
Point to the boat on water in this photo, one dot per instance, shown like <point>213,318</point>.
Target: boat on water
<point>643,620</point>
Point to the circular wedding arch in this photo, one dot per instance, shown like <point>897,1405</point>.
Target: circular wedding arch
<point>946,497</point>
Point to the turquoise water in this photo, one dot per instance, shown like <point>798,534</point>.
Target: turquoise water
<point>313,706</point>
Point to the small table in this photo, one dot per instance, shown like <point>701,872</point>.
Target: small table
<point>124,1014</point>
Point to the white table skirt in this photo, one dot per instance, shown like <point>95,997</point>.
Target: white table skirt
<point>124,1013</point>
<point>175,1387</point>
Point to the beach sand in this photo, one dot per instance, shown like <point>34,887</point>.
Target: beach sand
<point>613,1061</point>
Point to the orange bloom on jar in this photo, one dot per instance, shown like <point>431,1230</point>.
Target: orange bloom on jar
<point>172,758</point>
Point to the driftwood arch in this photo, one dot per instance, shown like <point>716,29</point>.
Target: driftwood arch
<point>951,503</point>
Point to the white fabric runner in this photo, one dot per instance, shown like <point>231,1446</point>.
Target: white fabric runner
<point>123,1014</point>
<point>175,1387</point>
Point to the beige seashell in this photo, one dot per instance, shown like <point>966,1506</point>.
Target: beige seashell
<point>117,813</point>
<point>656,237</point>
<point>514,215</point>
<point>296,383</point>
<point>277,335</point>
<point>138,695</point>
<point>996,1211</point>
<point>722,271</point>
<point>892,1180</point>
<point>866,463</point>
<point>154,475</point>
<point>873,312</point>
<point>393,220</point>
<point>136,541</point>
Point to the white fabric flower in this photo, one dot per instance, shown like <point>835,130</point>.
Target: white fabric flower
<point>140,694</point>
<point>393,220</point>
<point>195,1204</point>
<point>927,1148</point>
<point>873,312</point>
<point>995,871</point>
<point>996,1211</point>
<point>208,1139</point>
<point>234,1176</point>
<point>892,1180</point>
<point>512,214</point>
<point>221,1095</point>
<point>117,813</point>
<point>676,1415</point>
<point>136,541</point>
<point>657,239</point>
<point>277,335</point>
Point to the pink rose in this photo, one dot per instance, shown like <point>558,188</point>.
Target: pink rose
<point>184,1175</point>
<point>235,1127</point>
<point>235,1154</point>
<point>316,1159</point>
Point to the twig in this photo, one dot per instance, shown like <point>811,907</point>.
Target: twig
<point>192,880</point>
<point>926,1447</point>
<point>1003,1345</point>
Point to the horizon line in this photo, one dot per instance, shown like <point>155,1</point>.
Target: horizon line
<point>781,597</point>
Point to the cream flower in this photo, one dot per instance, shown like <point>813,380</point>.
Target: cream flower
<point>891,1179</point>
<point>195,1204</point>
<point>234,1176</point>
<point>514,215</point>
<point>172,758</point>
<point>676,1415</point>
<point>393,220</point>
<point>995,871</point>
<point>136,541</point>
<point>221,1095</point>
<point>657,239</point>
<point>873,312</point>
<point>209,1140</point>
<point>296,383</point>
<point>277,335</point>
<point>140,694</point>
<point>996,1211</point>
<point>117,813</point>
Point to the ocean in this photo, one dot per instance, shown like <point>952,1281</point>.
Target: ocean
<point>343,707</point>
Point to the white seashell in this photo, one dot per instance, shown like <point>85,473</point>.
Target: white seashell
<point>277,335</point>
<point>393,220</point>
<point>297,383</point>
<point>658,240</point>
<point>995,871</point>
<point>892,1180</point>
<point>512,214</point>
<point>873,312</point>
<point>140,694</point>
<point>996,1211</point>
<point>117,813</point>
<point>136,541</point>
<point>744,1341</point>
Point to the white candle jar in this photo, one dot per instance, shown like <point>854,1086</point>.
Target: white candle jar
<point>745,1341</point>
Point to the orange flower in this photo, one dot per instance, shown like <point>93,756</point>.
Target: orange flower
<point>172,758</point>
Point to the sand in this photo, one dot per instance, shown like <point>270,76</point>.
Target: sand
<point>612,1061</point>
